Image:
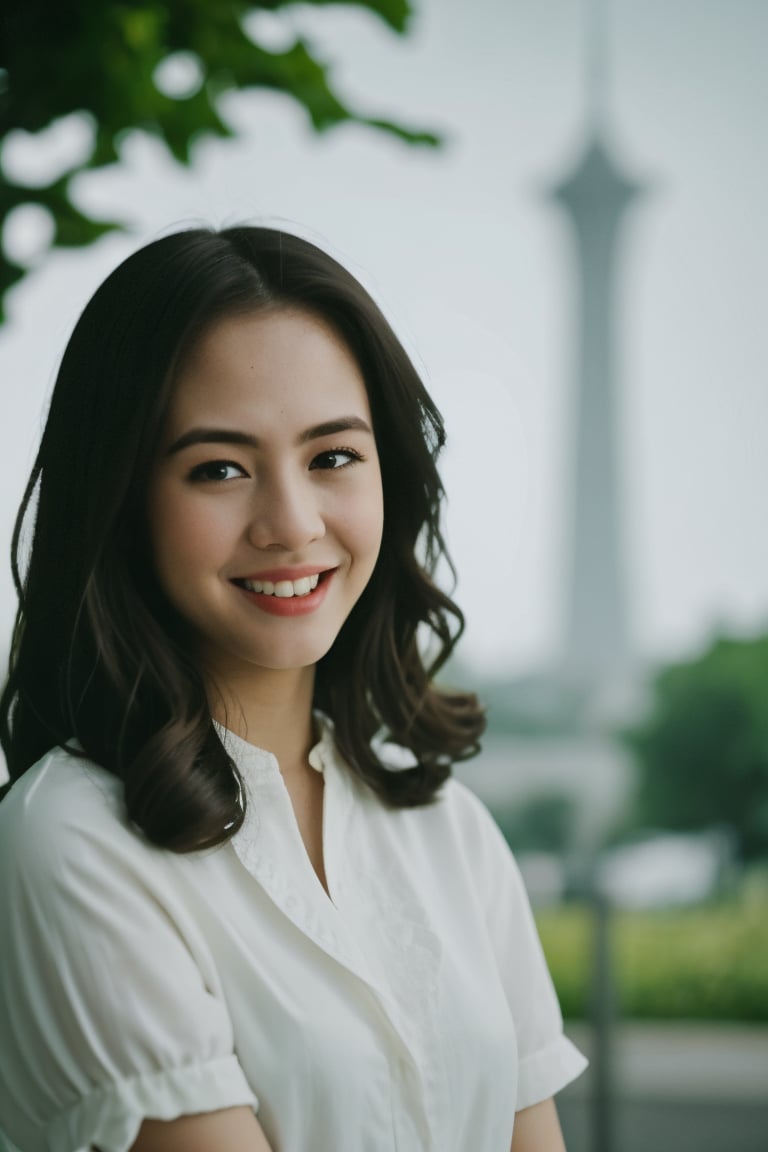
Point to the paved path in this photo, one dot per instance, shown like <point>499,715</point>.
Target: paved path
<point>678,1088</point>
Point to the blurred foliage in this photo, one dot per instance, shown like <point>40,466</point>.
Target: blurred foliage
<point>100,58</point>
<point>566,937</point>
<point>702,750</point>
<point>542,822</point>
<point>704,963</point>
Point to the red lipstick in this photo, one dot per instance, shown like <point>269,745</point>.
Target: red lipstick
<point>288,605</point>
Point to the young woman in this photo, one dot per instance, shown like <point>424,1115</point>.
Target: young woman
<point>243,905</point>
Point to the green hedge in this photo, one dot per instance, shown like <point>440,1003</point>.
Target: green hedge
<point>708,963</point>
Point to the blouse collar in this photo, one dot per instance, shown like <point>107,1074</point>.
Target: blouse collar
<point>257,763</point>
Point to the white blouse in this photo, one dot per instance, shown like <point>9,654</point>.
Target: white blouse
<point>410,1011</point>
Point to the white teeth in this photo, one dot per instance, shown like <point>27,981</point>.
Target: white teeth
<point>284,589</point>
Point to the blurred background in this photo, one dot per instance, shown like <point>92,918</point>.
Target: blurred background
<point>560,205</point>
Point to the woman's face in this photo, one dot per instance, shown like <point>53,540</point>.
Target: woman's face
<point>265,503</point>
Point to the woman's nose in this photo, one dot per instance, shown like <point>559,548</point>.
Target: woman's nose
<point>286,515</point>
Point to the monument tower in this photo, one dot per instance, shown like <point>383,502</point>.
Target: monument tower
<point>595,197</point>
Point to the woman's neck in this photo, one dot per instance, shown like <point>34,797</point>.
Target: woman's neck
<point>269,708</point>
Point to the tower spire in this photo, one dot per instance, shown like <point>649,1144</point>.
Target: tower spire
<point>597,79</point>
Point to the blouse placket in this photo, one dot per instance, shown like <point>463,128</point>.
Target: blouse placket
<point>366,924</point>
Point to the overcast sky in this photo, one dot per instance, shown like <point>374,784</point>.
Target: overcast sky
<point>473,264</point>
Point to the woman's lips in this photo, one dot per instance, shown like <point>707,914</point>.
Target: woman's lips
<point>284,589</point>
<point>287,597</point>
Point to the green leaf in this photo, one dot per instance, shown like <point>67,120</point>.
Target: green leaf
<point>63,56</point>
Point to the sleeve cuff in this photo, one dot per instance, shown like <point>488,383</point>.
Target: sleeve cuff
<point>545,1072</point>
<point>110,1117</point>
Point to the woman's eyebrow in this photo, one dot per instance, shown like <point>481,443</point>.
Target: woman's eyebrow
<point>245,439</point>
<point>331,427</point>
<point>212,436</point>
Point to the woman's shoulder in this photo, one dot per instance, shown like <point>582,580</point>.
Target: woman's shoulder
<point>456,820</point>
<point>474,829</point>
<point>63,782</point>
<point>462,801</point>
<point>465,811</point>
<point>64,806</point>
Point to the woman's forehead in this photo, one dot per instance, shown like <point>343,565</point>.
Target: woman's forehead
<point>276,367</point>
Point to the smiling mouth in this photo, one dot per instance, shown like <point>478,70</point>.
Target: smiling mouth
<point>284,589</point>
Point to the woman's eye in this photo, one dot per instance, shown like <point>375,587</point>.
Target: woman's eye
<point>216,470</point>
<point>336,458</point>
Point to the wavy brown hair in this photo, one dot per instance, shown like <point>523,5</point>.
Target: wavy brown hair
<point>98,654</point>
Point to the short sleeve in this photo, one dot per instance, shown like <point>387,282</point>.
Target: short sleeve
<point>547,1058</point>
<point>110,1005</point>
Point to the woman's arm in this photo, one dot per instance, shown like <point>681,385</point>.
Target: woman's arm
<point>228,1130</point>
<point>537,1129</point>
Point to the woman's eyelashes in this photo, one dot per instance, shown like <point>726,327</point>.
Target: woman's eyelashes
<point>336,458</point>
<point>216,471</point>
<point>219,471</point>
